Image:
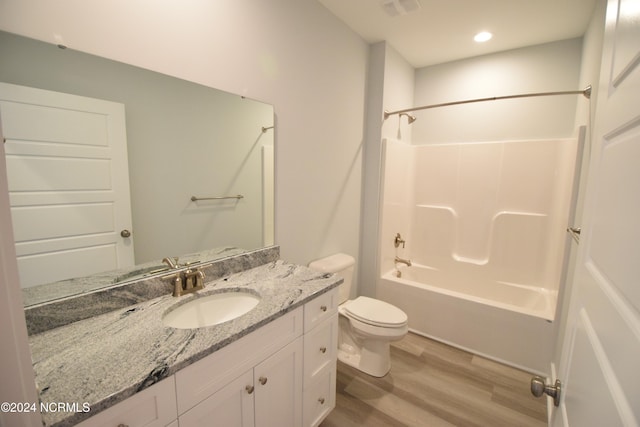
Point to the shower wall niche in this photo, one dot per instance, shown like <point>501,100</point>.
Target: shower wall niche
<point>492,211</point>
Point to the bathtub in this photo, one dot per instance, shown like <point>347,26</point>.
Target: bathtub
<point>506,322</point>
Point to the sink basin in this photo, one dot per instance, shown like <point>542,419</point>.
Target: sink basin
<point>211,310</point>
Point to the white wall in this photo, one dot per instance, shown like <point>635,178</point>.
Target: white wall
<point>17,383</point>
<point>542,68</point>
<point>292,54</point>
<point>585,115</point>
<point>390,83</point>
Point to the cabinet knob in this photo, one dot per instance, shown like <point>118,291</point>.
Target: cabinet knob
<point>122,425</point>
<point>323,350</point>
<point>249,389</point>
<point>323,307</point>
<point>263,380</point>
<point>321,400</point>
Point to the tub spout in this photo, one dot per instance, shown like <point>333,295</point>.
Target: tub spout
<point>403,261</point>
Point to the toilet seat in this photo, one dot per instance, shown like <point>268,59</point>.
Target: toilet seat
<point>374,312</point>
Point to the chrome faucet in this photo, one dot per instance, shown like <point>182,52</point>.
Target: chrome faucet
<point>399,260</point>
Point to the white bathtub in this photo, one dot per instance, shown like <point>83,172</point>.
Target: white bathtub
<point>506,322</point>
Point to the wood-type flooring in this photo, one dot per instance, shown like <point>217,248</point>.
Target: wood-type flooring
<point>433,384</point>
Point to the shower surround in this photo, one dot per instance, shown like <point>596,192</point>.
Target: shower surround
<point>484,225</point>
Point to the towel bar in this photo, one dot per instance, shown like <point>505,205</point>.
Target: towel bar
<point>195,199</point>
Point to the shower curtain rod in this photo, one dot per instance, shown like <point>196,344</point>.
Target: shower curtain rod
<point>586,92</point>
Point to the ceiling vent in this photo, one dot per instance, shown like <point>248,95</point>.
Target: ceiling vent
<point>395,8</point>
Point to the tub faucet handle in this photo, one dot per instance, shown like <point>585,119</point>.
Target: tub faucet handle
<point>398,240</point>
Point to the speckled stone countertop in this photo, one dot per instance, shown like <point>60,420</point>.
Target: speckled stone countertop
<point>90,301</point>
<point>108,358</point>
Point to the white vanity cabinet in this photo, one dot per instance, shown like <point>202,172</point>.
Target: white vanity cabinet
<point>152,407</point>
<point>281,374</point>
<point>295,386</point>
<point>320,355</point>
<point>267,395</point>
<point>256,378</point>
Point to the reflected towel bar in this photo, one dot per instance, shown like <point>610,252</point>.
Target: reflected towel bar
<point>195,199</point>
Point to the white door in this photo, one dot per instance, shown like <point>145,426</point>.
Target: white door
<point>600,361</point>
<point>68,183</point>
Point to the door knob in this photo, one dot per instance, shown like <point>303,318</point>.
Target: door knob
<point>125,233</point>
<point>538,388</point>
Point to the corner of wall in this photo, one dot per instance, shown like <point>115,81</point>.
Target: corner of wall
<point>367,260</point>
<point>390,83</point>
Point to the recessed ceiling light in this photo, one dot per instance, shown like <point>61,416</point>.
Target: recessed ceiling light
<point>483,36</point>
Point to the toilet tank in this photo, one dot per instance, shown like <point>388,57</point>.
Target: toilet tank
<point>340,264</point>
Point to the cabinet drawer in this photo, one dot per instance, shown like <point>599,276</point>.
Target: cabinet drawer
<point>320,398</point>
<point>320,347</point>
<point>319,309</point>
<point>152,407</point>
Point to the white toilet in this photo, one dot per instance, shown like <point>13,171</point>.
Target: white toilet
<point>367,325</point>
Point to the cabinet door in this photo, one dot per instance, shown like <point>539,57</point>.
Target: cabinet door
<point>231,406</point>
<point>152,407</point>
<point>278,383</point>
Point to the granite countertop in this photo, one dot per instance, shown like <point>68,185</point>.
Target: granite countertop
<point>105,359</point>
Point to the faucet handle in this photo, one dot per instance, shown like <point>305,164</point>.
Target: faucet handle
<point>398,240</point>
<point>171,262</point>
<point>177,285</point>
<point>200,278</point>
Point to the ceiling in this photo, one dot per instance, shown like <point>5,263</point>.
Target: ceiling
<point>442,30</point>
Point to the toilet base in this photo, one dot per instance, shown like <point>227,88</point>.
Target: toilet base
<point>374,361</point>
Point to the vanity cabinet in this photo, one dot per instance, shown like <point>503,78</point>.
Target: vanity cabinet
<point>152,407</point>
<point>281,374</point>
<point>267,395</point>
<point>320,355</point>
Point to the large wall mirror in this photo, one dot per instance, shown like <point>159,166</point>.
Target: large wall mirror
<point>182,140</point>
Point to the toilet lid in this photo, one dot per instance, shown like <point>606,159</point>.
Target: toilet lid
<point>376,312</point>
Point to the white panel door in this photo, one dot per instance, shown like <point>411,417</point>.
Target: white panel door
<point>68,183</point>
<point>600,361</point>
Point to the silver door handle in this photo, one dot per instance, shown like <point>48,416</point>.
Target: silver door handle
<point>538,388</point>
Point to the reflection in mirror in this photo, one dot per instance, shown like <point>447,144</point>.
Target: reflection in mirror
<point>182,140</point>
